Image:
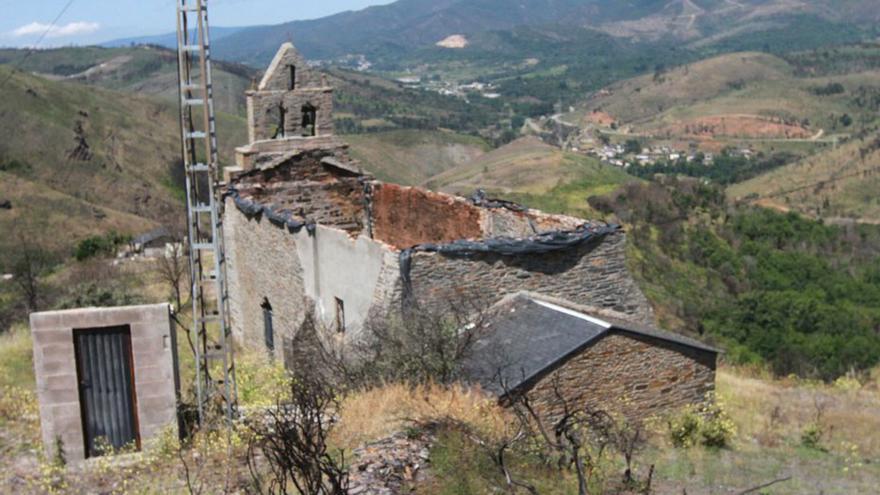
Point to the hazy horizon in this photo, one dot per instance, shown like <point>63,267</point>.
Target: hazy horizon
<point>88,22</point>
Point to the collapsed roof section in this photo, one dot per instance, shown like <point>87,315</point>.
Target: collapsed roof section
<point>325,187</point>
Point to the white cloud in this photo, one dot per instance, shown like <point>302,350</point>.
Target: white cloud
<point>70,29</point>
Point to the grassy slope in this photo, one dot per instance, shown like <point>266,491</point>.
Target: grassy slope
<point>770,416</point>
<point>736,84</point>
<point>134,144</point>
<point>411,156</point>
<point>144,70</point>
<point>537,174</point>
<point>840,182</point>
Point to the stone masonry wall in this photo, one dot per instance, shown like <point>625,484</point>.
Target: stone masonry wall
<point>635,375</point>
<point>277,75</point>
<point>264,112</point>
<point>302,273</point>
<point>262,264</point>
<point>593,274</point>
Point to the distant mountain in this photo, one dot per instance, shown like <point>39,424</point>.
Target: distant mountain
<point>168,40</point>
<point>405,25</point>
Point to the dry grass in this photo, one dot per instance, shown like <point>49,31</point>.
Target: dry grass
<point>773,412</point>
<point>379,412</point>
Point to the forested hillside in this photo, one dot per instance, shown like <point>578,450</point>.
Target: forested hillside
<point>773,288</point>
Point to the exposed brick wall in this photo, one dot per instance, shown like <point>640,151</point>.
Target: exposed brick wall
<point>635,375</point>
<point>593,274</point>
<point>407,216</point>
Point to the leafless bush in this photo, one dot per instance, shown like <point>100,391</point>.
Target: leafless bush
<point>173,268</point>
<point>422,343</point>
<point>576,439</point>
<point>290,440</point>
<point>28,262</point>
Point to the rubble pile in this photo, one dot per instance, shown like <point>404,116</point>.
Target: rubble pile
<point>391,465</point>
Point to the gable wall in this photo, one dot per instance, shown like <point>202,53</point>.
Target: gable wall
<point>637,376</point>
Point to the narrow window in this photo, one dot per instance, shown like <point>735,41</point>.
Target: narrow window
<point>279,115</point>
<point>340,315</point>
<point>309,120</point>
<point>291,83</point>
<point>268,328</point>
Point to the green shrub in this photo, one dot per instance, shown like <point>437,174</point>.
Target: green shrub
<point>708,425</point>
<point>105,245</point>
<point>90,294</point>
<point>684,428</point>
<point>811,437</point>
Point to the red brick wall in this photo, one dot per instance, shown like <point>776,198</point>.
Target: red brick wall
<point>404,217</point>
<point>637,376</point>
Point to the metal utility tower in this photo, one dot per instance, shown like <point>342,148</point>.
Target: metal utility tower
<point>215,368</point>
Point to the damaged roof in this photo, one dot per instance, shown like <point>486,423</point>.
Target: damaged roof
<point>529,337</point>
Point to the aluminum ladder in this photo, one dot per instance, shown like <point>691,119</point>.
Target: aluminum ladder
<point>215,385</point>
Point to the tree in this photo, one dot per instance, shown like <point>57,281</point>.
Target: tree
<point>173,269</point>
<point>31,259</point>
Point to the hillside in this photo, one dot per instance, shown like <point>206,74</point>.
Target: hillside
<point>411,156</point>
<point>407,24</point>
<point>88,159</point>
<point>537,174</point>
<point>835,184</point>
<point>146,70</point>
<point>741,95</point>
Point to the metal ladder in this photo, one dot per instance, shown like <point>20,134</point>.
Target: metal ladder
<point>215,385</point>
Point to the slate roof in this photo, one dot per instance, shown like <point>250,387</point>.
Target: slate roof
<point>528,337</point>
<point>151,236</point>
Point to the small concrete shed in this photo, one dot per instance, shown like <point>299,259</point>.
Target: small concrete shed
<point>105,377</point>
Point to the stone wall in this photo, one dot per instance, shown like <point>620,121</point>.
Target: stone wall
<point>290,83</point>
<point>593,274</point>
<point>301,273</point>
<point>263,264</point>
<point>277,75</point>
<point>264,112</point>
<point>155,379</point>
<point>635,375</point>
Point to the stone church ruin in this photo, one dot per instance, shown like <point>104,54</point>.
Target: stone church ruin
<point>310,233</point>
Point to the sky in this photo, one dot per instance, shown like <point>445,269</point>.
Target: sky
<point>93,21</point>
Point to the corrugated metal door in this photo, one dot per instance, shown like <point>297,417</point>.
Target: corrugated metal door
<point>106,388</point>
